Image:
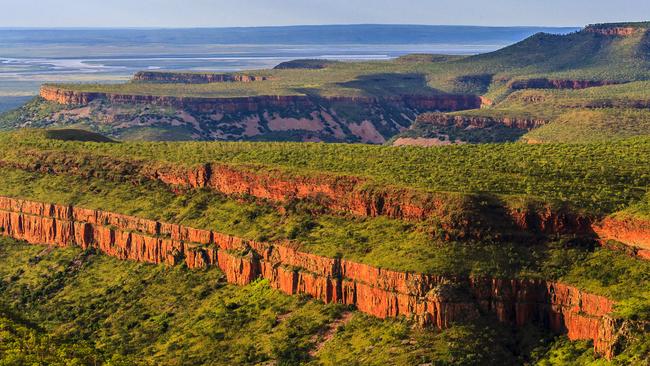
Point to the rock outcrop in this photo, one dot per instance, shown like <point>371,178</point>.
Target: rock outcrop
<point>467,121</point>
<point>194,78</point>
<point>612,30</point>
<point>463,215</point>
<point>432,300</point>
<point>543,83</point>
<point>632,232</point>
<point>443,102</point>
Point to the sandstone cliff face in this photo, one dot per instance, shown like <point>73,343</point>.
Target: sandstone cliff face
<point>339,194</point>
<point>463,122</point>
<point>194,78</point>
<point>543,83</point>
<point>260,103</point>
<point>634,233</point>
<point>432,300</point>
<point>352,195</point>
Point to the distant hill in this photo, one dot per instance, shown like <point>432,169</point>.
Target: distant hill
<point>585,86</point>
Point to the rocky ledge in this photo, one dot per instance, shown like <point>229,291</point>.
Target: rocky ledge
<point>442,102</point>
<point>543,83</point>
<point>459,215</point>
<point>632,232</point>
<point>465,121</point>
<point>615,30</point>
<point>432,300</point>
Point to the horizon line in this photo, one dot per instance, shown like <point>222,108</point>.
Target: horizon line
<point>280,26</point>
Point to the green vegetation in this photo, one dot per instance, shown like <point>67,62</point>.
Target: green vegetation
<point>593,125</point>
<point>639,210</point>
<point>497,133</point>
<point>305,64</point>
<point>127,313</point>
<point>372,342</point>
<point>29,115</point>
<point>73,307</point>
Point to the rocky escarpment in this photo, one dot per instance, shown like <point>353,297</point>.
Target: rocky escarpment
<point>481,122</point>
<point>633,232</point>
<point>543,83</point>
<point>194,78</point>
<point>260,103</point>
<point>459,215</point>
<point>622,30</point>
<point>432,300</point>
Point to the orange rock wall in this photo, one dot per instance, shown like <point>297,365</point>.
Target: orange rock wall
<point>432,300</point>
<point>346,194</point>
<point>260,103</point>
<point>351,195</point>
<point>445,120</point>
<point>634,233</point>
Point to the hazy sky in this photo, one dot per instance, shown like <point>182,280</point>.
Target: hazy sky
<point>225,13</point>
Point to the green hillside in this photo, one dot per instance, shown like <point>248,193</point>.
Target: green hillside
<point>577,116</point>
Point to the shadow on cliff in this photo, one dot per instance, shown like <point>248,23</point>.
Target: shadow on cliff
<point>487,217</point>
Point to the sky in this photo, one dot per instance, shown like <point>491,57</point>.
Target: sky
<point>225,13</point>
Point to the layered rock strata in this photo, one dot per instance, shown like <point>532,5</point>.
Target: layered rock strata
<point>432,300</point>
<point>443,102</point>
<point>465,121</point>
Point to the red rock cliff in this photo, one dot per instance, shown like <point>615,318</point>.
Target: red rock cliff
<point>347,194</point>
<point>635,233</point>
<point>260,103</point>
<point>462,122</point>
<point>432,300</point>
